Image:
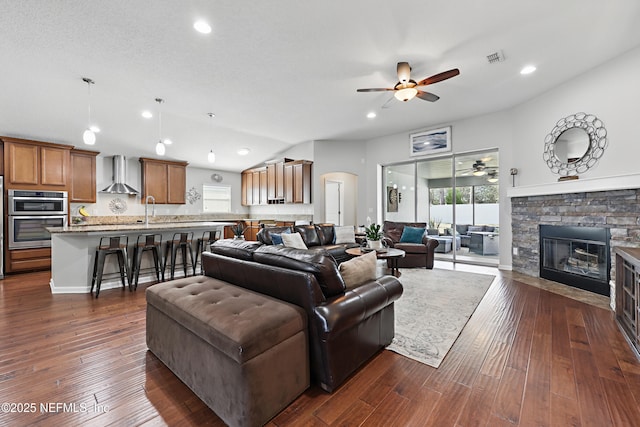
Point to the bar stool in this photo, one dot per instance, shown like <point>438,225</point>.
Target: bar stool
<point>147,242</point>
<point>203,243</point>
<point>110,245</point>
<point>180,241</point>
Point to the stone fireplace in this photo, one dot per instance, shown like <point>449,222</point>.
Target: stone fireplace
<point>616,210</point>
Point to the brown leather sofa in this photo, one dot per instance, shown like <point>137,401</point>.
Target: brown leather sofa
<point>317,237</point>
<point>416,254</point>
<point>346,327</point>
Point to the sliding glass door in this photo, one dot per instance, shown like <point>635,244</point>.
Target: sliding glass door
<point>456,196</point>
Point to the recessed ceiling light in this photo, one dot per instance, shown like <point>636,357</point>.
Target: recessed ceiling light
<point>371,115</point>
<point>147,114</point>
<point>167,141</point>
<point>527,70</point>
<point>202,27</point>
<point>244,151</point>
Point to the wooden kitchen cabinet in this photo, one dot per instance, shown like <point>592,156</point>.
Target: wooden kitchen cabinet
<point>19,260</point>
<point>165,180</point>
<point>83,176</point>
<point>287,181</point>
<point>300,181</point>
<point>275,181</point>
<point>35,164</point>
<point>247,188</point>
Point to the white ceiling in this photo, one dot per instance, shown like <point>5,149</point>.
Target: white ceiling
<point>281,72</point>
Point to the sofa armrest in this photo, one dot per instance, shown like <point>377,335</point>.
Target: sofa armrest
<point>388,242</point>
<point>342,312</point>
<point>430,243</point>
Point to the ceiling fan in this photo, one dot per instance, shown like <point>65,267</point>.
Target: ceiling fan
<point>407,89</point>
<point>478,168</point>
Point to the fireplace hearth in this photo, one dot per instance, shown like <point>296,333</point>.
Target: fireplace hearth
<point>576,256</point>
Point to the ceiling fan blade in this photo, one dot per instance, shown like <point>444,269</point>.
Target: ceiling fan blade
<point>375,89</point>
<point>439,77</point>
<point>388,103</point>
<point>427,96</point>
<point>404,72</point>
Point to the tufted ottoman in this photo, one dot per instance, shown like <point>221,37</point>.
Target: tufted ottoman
<point>243,353</point>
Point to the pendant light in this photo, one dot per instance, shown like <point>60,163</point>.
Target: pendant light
<point>160,148</point>
<point>89,135</point>
<point>211,157</point>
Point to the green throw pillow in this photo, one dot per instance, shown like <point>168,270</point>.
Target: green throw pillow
<point>412,235</point>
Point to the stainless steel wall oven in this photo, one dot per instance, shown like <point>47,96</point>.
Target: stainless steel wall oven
<point>30,213</point>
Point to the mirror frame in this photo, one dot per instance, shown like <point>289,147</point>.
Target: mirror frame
<point>597,133</point>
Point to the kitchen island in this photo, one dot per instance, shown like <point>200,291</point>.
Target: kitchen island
<point>73,248</point>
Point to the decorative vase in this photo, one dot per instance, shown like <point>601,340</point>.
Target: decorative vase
<point>375,244</point>
<point>241,237</point>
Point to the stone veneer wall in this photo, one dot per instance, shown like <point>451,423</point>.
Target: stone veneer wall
<point>618,210</point>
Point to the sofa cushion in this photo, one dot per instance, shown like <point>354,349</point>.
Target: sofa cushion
<point>412,248</point>
<point>293,240</point>
<point>345,234</point>
<point>475,228</point>
<point>319,263</point>
<point>235,248</point>
<point>276,238</point>
<point>309,234</point>
<point>359,270</point>
<point>412,235</point>
<point>264,235</point>
<point>325,233</point>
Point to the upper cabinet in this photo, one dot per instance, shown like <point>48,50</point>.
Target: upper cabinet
<point>165,180</point>
<point>283,181</point>
<point>83,176</point>
<point>34,164</point>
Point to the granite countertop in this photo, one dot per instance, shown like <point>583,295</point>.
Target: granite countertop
<point>135,227</point>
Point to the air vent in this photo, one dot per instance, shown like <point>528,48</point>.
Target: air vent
<point>495,57</point>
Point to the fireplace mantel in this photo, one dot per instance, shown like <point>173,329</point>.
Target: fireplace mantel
<point>619,182</point>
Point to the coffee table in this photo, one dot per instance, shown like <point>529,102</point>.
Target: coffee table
<point>391,254</point>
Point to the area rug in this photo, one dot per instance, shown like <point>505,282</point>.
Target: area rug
<point>433,309</point>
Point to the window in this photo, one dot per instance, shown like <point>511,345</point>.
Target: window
<point>216,198</point>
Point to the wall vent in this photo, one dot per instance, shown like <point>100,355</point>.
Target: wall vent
<point>495,57</point>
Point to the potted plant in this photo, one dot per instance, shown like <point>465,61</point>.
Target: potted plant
<point>238,230</point>
<point>374,236</point>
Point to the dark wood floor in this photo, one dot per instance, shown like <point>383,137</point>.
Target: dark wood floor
<point>526,357</point>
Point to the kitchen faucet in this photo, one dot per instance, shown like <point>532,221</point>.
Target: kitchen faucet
<point>146,209</point>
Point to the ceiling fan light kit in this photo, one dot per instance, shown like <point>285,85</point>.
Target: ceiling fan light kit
<point>406,94</point>
<point>407,89</point>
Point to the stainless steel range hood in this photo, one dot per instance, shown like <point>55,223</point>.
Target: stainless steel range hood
<point>119,185</point>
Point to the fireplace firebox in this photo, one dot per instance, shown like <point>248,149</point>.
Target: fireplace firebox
<point>576,256</point>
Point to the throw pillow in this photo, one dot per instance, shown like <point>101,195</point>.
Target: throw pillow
<point>412,235</point>
<point>293,240</point>
<point>345,234</point>
<point>276,238</point>
<point>358,270</point>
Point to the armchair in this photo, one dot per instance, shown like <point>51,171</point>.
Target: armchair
<point>417,254</point>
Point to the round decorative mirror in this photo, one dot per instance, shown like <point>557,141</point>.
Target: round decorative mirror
<point>575,144</point>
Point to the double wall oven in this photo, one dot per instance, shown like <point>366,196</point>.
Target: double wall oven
<point>30,213</point>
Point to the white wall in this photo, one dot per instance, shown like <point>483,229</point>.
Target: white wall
<point>340,156</point>
<point>196,177</point>
<point>611,92</point>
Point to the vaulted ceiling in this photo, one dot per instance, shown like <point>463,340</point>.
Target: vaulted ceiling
<point>278,73</point>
